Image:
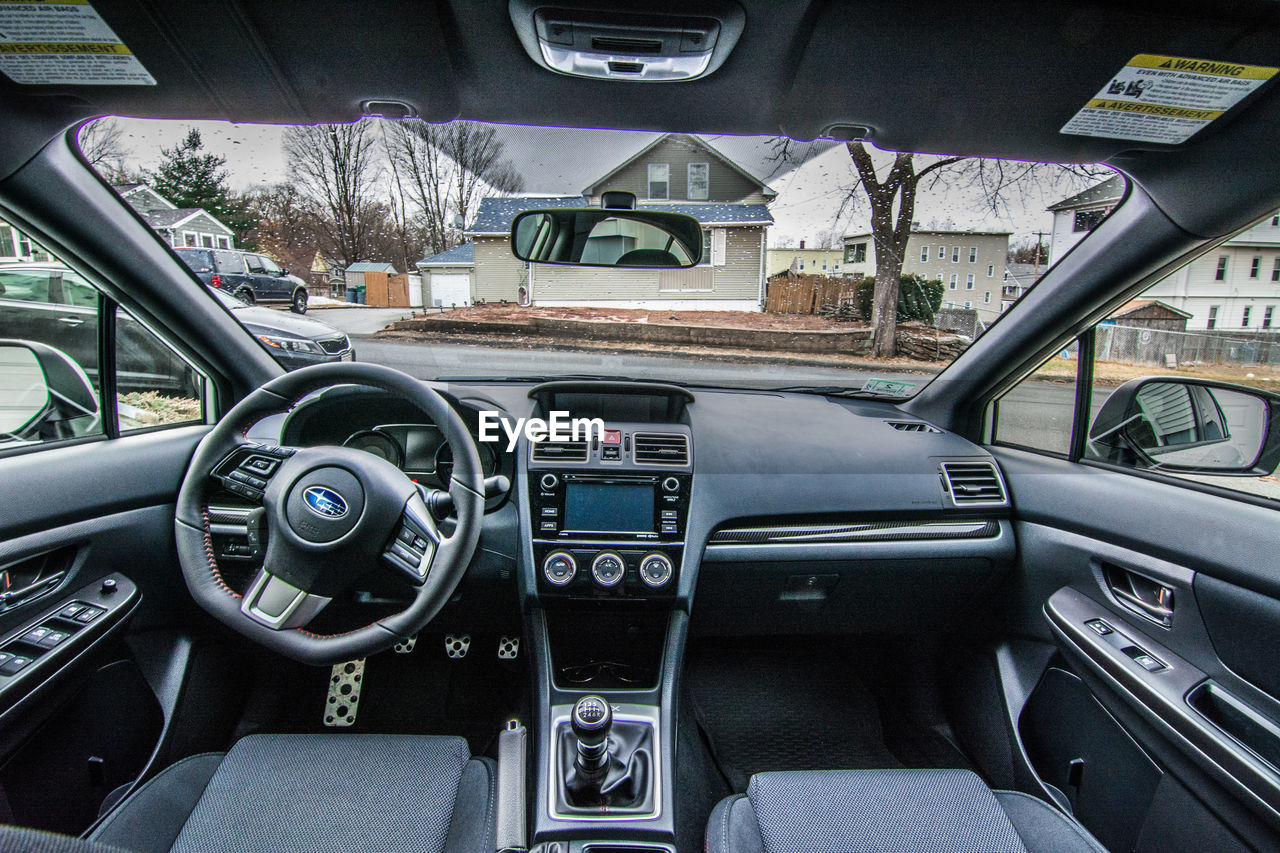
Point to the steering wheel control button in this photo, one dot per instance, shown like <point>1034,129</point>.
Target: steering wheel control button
<point>608,569</point>
<point>559,568</point>
<point>325,504</point>
<point>656,570</point>
<point>671,484</point>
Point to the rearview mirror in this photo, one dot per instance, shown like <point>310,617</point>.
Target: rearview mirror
<point>1188,426</point>
<point>41,392</point>
<point>607,237</point>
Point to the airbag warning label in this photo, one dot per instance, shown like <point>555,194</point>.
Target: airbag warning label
<point>46,42</point>
<point>1165,98</point>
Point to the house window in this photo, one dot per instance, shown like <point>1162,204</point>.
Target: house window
<point>706,248</point>
<point>1087,220</point>
<point>659,181</point>
<point>7,249</point>
<point>952,284</point>
<point>986,297</point>
<point>699,181</point>
<point>1244,319</point>
<point>1275,220</point>
<point>24,245</point>
<point>968,304</point>
<point>802,265</point>
<point>973,254</point>
<point>1213,317</point>
<point>968,282</point>
<point>855,253</point>
<point>189,239</point>
<point>991,270</point>
<point>1275,270</point>
<point>224,243</point>
<point>1221,274</point>
<point>824,265</point>
<point>955,254</point>
<point>924,254</point>
<point>1266,316</point>
<point>206,240</point>
<point>1255,267</point>
<point>942,253</point>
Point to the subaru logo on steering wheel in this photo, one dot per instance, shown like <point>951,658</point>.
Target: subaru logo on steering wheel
<point>325,502</point>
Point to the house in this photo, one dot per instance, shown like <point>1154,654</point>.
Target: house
<point>808,261</point>
<point>966,262</point>
<point>1018,279</point>
<point>675,172</point>
<point>1075,217</point>
<point>446,277</point>
<point>179,226</point>
<point>1235,286</point>
<point>16,246</point>
<point>327,276</point>
<point>1151,314</point>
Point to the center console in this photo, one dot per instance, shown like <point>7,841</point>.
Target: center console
<point>605,517</point>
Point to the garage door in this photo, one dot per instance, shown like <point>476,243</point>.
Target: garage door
<point>450,289</point>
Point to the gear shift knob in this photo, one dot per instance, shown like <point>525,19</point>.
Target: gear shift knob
<point>591,719</point>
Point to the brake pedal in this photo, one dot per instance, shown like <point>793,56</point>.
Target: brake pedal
<point>406,645</point>
<point>457,645</point>
<point>508,648</point>
<point>344,693</point>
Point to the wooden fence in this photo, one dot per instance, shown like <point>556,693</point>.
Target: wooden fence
<point>806,294</point>
<point>386,291</point>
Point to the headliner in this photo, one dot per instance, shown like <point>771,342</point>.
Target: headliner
<point>925,75</point>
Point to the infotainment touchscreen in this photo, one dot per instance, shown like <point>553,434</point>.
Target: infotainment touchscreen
<point>608,507</point>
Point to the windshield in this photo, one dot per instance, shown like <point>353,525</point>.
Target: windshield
<point>824,265</point>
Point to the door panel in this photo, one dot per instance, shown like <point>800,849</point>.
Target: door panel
<point>1200,694</point>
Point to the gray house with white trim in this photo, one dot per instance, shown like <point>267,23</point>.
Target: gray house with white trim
<point>179,226</point>
<point>676,172</point>
<point>446,277</point>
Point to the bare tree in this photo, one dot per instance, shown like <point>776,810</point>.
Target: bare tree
<point>102,144</point>
<point>336,167</point>
<point>891,194</point>
<point>445,169</point>
<point>286,225</point>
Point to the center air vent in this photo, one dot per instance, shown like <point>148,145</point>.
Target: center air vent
<point>912,426</point>
<point>560,451</point>
<point>974,484</point>
<point>667,448</point>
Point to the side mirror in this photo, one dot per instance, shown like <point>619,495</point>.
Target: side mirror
<point>41,390</point>
<point>607,237</point>
<point>1189,426</point>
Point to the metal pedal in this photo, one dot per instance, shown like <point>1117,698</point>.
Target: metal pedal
<point>406,645</point>
<point>345,682</point>
<point>457,645</point>
<point>508,648</point>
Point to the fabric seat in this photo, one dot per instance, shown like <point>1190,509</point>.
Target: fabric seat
<point>314,792</point>
<point>888,811</point>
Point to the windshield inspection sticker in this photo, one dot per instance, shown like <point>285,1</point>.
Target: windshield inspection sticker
<point>1165,98</point>
<point>45,42</point>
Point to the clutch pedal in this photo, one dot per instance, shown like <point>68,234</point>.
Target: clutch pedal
<point>344,693</point>
<point>406,645</point>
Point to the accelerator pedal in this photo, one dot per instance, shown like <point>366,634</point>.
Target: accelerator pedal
<point>345,682</point>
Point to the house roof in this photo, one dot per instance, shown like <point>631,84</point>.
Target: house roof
<point>458,256</point>
<point>179,216</point>
<point>1136,305</point>
<point>126,190</point>
<point>371,266</point>
<point>589,189</point>
<point>1025,275</point>
<point>495,213</point>
<point>1112,189</point>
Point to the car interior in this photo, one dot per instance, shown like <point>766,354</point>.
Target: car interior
<point>324,613</point>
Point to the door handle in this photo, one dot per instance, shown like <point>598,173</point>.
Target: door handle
<point>71,321</point>
<point>1144,596</point>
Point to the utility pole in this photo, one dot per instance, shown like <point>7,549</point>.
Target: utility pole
<point>1039,243</point>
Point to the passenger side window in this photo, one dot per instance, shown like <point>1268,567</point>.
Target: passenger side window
<point>52,386</point>
<point>255,264</point>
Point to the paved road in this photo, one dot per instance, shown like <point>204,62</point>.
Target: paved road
<point>358,321</point>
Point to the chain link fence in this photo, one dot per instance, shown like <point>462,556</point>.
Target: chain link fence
<point>1169,349</point>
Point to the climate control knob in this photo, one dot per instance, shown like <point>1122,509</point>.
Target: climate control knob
<point>656,570</point>
<point>608,568</point>
<point>559,567</point>
<point>549,482</point>
<point>671,484</point>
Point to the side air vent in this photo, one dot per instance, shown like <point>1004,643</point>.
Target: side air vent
<point>652,448</point>
<point>560,451</point>
<point>974,484</point>
<point>912,426</point>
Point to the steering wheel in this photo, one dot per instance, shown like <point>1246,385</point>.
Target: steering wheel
<point>329,516</point>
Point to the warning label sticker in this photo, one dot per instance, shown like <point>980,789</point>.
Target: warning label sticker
<point>1165,98</point>
<point>46,42</point>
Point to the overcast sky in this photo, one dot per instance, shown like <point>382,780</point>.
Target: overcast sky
<point>812,197</point>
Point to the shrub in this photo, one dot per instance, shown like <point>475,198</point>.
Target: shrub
<point>918,298</point>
